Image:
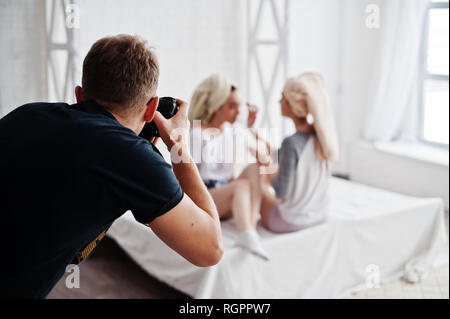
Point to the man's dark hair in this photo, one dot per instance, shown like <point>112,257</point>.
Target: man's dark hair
<point>120,70</point>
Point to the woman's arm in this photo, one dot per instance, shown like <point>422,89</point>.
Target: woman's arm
<point>252,113</point>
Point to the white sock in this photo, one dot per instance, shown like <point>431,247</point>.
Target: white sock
<point>250,241</point>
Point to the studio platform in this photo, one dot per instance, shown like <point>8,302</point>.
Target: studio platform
<point>372,236</point>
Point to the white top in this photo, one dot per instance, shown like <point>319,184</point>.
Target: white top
<point>214,155</point>
<point>307,200</point>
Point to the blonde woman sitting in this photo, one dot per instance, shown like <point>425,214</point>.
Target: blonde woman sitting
<point>301,184</point>
<point>214,109</point>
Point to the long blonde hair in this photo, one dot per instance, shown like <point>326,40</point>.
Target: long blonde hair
<point>310,87</point>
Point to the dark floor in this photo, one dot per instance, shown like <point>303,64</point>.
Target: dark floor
<point>110,273</point>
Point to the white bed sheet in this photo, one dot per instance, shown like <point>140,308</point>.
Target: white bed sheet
<point>370,232</point>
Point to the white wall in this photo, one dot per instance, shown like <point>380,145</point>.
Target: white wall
<point>315,45</point>
<point>359,47</point>
<point>330,37</point>
<point>22,52</point>
<point>192,38</point>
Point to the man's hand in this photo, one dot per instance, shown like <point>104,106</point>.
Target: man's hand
<point>154,140</point>
<point>192,228</point>
<point>170,129</point>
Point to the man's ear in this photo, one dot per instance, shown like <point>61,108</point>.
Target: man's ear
<point>151,109</point>
<point>79,93</point>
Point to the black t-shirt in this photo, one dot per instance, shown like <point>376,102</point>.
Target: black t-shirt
<point>66,173</point>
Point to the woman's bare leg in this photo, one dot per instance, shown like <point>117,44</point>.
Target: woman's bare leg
<point>233,200</point>
<point>252,174</point>
<point>268,201</point>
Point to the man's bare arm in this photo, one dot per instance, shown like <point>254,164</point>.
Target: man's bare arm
<point>192,228</point>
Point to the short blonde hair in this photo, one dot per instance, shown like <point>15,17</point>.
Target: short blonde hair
<point>120,70</point>
<point>209,96</point>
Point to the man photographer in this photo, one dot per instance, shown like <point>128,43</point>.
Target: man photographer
<point>69,171</point>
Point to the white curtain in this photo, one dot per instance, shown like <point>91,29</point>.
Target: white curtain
<point>397,68</point>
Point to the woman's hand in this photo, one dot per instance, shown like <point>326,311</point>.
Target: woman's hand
<point>271,171</point>
<point>264,159</point>
<point>252,112</point>
<point>270,148</point>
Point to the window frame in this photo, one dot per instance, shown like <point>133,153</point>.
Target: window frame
<point>425,75</point>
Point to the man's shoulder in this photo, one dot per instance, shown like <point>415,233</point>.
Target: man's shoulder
<point>42,106</point>
<point>35,107</point>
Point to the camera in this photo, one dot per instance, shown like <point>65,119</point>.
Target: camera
<point>168,107</point>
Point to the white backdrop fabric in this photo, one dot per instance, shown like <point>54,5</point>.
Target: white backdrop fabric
<point>372,236</point>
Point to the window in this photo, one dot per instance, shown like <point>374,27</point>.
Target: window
<point>434,126</point>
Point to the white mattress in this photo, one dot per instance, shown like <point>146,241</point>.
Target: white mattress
<point>370,233</point>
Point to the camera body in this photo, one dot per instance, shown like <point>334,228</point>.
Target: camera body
<point>168,107</point>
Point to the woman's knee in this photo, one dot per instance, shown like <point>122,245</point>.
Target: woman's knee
<point>242,186</point>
